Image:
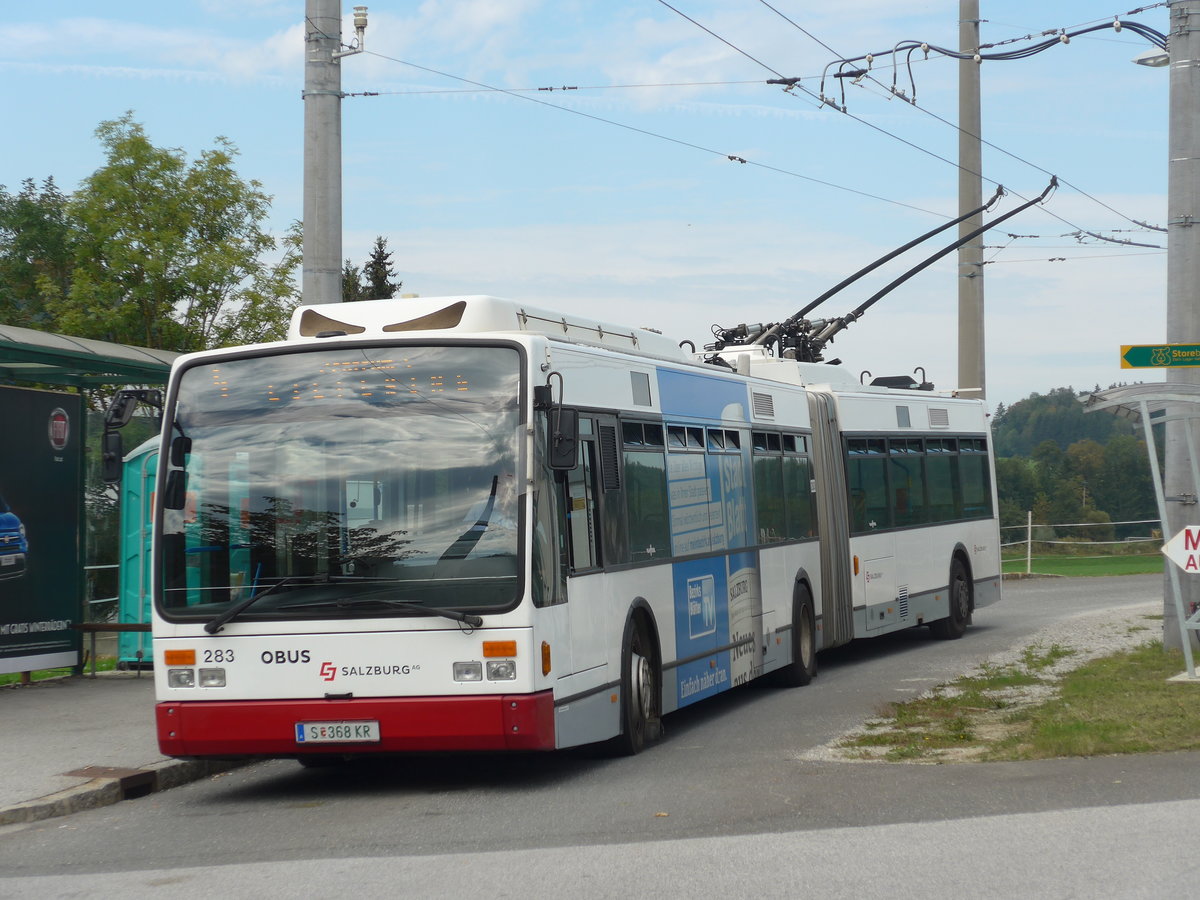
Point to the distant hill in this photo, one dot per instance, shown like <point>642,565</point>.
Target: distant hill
<point>1070,467</point>
<point>1057,416</point>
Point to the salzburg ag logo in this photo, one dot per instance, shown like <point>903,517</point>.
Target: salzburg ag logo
<point>328,671</point>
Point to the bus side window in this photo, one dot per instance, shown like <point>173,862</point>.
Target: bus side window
<point>973,471</point>
<point>548,585</point>
<point>870,505</point>
<point>583,545</point>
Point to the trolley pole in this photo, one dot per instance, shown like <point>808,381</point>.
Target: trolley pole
<point>1183,281</point>
<point>971,374</point>
<point>322,278</point>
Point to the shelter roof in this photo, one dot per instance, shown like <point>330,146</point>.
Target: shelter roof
<point>1161,401</point>
<point>28,355</point>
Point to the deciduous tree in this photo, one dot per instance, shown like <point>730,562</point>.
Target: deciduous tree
<point>36,251</point>
<point>173,254</point>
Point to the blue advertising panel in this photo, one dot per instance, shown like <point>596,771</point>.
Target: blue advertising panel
<point>718,598</point>
<point>718,624</point>
<point>701,625</point>
<point>40,557</point>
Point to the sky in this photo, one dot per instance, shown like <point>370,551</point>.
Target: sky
<point>617,200</point>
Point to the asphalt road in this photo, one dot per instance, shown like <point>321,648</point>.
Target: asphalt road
<point>722,804</point>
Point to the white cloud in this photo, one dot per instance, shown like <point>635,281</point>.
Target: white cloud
<point>1048,324</point>
<point>126,49</point>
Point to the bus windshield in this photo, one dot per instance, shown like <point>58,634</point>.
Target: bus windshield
<point>344,482</point>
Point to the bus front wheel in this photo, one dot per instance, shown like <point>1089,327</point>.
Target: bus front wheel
<point>955,625</point>
<point>641,690</point>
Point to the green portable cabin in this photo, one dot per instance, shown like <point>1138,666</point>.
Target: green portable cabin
<point>133,580</point>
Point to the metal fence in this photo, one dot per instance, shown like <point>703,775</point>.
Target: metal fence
<point>1049,541</point>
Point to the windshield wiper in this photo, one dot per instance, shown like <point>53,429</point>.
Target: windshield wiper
<point>469,538</point>
<point>238,608</point>
<point>351,602</point>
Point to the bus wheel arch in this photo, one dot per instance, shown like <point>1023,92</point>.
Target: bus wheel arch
<point>641,681</point>
<point>803,666</point>
<point>961,589</point>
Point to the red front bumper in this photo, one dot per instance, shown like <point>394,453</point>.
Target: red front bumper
<point>406,724</point>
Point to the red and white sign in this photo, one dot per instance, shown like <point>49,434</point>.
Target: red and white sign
<point>59,429</point>
<point>1184,549</point>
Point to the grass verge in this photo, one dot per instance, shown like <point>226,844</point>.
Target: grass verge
<point>1094,567</point>
<point>1112,705</point>
<point>103,664</point>
<point>1117,704</point>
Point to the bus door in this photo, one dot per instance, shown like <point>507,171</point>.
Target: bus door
<point>871,518</point>
<point>583,545</point>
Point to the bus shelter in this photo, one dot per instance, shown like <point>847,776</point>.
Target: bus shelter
<point>1157,404</point>
<point>43,378</point>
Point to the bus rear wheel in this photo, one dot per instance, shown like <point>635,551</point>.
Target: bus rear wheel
<point>641,691</point>
<point>955,625</point>
<point>803,667</point>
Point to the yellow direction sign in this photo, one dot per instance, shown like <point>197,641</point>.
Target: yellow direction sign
<point>1159,356</point>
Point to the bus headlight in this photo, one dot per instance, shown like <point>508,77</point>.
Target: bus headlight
<point>212,678</point>
<point>468,671</point>
<point>181,678</point>
<point>502,670</point>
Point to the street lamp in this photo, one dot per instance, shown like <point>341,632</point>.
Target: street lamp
<point>1155,59</point>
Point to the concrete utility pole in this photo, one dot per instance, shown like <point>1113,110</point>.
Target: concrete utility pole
<point>322,281</point>
<point>971,373</point>
<point>1183,276</point>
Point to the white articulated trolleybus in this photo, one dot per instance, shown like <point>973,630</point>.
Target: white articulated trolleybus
<point>465,524</point>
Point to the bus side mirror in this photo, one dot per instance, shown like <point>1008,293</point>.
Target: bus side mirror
<point>564,438</point>
<point>121,410</point>
<point>125,402</point>
<point>112,454</point>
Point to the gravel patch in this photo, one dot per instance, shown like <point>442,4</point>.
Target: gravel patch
<point>1087,636</point>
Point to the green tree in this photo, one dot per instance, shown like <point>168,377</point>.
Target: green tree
<point>374,280</point>
<point>352,286</point>
<point>1125,486</point>
<point>172,254</point>
<point>1056,416</point>
<point>1017,487</point>
<point>378,272</point>
<point>998,416</point>
<point>36,251</point>
<point>1085,459</point>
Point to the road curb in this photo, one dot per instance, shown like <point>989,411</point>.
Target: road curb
<point>109,789</point>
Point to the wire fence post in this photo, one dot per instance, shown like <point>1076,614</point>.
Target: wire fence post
<point>1071,547</point>
<point>1029,542</point>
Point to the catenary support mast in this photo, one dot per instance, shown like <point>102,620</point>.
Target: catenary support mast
<point>1183,277</point>
<point>322,279</point>
<point>971,374</point>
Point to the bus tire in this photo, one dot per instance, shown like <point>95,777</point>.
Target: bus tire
<point>954,625</point>
<point>641,690</point>
<point>803,667</point>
